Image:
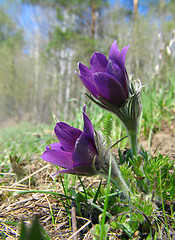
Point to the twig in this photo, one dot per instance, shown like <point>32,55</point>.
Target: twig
<point>80,229</point>
<point>11,229</point>
<point>157,147</point>
<point>74,221</point>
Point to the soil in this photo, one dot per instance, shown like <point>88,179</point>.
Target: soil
<point>162,141</point>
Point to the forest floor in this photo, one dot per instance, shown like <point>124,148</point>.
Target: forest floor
<point>162,141</point>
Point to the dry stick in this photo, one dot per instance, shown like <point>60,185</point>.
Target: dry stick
<point>43,206</point>
<point>10,189</point>
<point>157,147</point>
<point>39,170</point>
<point>74,221</point>
<point>11,229</point>
<point>85,225</point>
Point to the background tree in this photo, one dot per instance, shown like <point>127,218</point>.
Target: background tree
<point>11,83</point>
<point>41,42</point>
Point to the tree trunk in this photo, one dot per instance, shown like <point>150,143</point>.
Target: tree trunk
<point>135,40</point>
<point>93,18</point>
<point>135,9</point>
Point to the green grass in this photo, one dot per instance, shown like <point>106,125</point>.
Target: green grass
<point>100,202</point>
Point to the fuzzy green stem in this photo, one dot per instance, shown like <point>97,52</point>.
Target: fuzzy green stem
<point>131,127</point>
<point>131,124</point>
<point>138,168</point>
<point>117,179</point>
<point>133,137</point>
<point>122,186</point>
<point>132,130</point>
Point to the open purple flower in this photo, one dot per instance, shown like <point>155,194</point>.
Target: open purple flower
<point>107,80</point>
<point>76,150</point>
<point>84,153</point>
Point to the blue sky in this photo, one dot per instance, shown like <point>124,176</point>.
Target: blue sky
<point>26,15</point>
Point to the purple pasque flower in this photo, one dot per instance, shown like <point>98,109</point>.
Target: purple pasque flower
<point>76,150</point>
<point>107,80</point>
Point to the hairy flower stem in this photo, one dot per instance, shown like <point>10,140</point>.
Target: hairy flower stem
<point>132,130</point>
<point>133,137</point>
<point>108,161</point>
<point>117,179</point>
<point>122,186</point>
<point>131,127</point>
<point>138,168</point>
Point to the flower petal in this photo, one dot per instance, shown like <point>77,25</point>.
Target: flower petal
<point>116,55</point>
<point>88,128</point>
<point>87,79</point>
<point>67,135</point>
<point>114,70</point>
<point>80,170</point>
<point>86,72</point>
<point>58,157</point>
<point>110,89</point>
<point>121,76</point>
<point>84,151</point>
<point>98,62</point>
<point>124,52</point>
<point>53,146</point>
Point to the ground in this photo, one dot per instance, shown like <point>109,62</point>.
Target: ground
<point>162,141</point>
<point>15,206</point>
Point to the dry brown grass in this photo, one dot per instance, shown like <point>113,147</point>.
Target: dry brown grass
<point>15,206</point>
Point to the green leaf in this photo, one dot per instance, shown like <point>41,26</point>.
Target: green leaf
<point>108,125</point>
<point>35,232</point>
<point>23,235</point>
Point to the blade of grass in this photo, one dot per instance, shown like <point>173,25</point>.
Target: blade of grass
<point>97,192</point>
<point>100,209</point>
<point>45,192</point>
<point>64,188</point>
<point>163,207</point>
<point>50,207</point>
<point>106,203</point>
<point>112,194</point>
<point>83,188</point>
